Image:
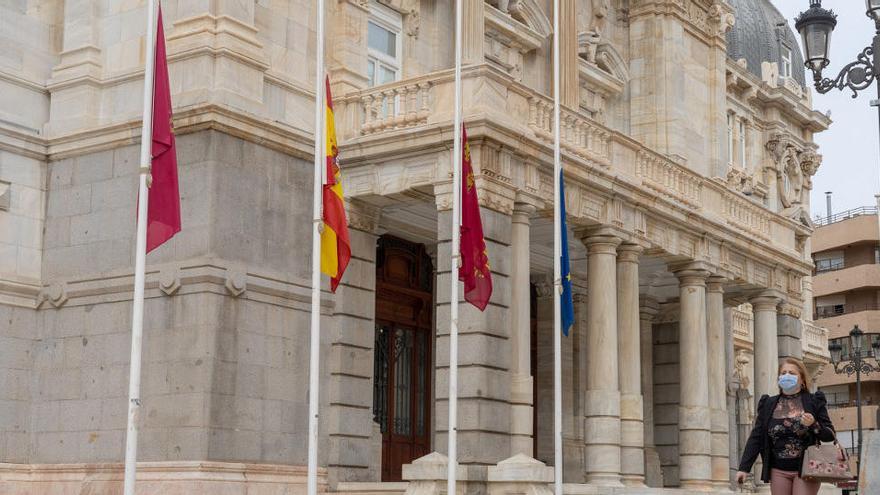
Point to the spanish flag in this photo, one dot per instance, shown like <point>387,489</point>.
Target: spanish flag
<point>335,246</point>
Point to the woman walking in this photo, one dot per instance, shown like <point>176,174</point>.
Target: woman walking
<point>786,425</point>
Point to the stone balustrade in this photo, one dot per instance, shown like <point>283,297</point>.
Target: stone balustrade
<point>746,215</point>
<point>392,106</point>
<point>815,340</point>
<point>670,179</point>
<point>578,135</point>
<point>425,102</point>
<point>741,322</point>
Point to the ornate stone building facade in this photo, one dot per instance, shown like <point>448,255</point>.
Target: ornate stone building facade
<point>688,151</point>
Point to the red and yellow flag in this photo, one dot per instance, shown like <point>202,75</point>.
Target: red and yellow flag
<point>474,270</point>
<point>335,245</point>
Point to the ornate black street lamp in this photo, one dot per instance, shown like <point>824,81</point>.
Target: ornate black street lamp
<point>855,363</point>
<point>815,26</point>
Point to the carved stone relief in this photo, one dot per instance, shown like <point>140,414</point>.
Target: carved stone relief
<point>794,168</point>
<point>596,30</point>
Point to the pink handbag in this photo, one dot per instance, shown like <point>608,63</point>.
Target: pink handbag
<point>827,462</point>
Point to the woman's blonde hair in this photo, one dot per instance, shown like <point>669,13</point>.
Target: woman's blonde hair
<point>806,382</point>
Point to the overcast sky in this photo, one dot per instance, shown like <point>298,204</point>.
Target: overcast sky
<point>851,155</point>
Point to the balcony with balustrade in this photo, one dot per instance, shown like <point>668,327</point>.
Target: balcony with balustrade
<point>414,115</point>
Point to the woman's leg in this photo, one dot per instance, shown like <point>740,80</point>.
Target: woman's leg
<point>801,486</point>
<point>781,482</point>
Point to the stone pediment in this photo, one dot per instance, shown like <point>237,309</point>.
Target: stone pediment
<point>602,74</point>
<point>514,29</point>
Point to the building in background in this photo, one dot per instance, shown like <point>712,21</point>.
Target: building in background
<point>846,291</point>
<point>688,150</point>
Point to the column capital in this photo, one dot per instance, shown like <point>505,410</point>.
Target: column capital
<point>648,308</point>
<point>629,253</point>
<point>523,211</point>
<point>715,284</point>
<point>691,275</point>
<point>543,288</point>
<point>766,301</point>
<point>600,241</point>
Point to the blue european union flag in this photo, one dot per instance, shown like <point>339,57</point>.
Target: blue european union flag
<point>566,302</point>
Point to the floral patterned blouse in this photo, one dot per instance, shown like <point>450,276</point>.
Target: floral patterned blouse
<point>788,436</point>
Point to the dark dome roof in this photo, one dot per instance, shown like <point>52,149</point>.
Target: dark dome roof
<point>758,36</point>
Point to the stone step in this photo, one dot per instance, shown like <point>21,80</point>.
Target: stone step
<point>371,488</point>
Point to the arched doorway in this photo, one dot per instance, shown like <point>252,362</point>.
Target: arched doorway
<point>403,352</point>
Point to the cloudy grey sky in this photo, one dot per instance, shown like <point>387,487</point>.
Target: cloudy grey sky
<point>851,155</point>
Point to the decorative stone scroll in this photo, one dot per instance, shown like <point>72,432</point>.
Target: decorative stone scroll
<point>794,167</point>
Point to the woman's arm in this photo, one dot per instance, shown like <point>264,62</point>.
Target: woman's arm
<point>822,428</point>
<point>756,438</point>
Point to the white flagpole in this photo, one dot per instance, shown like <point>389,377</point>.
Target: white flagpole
<point>140,256</point>
<point>317,227</point>
<point>557,266</point>
<point>455,257</point>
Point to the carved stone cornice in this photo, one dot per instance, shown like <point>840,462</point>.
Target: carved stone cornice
<point>709,19</point>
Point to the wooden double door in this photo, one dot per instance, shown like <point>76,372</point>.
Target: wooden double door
<point>403,360</point>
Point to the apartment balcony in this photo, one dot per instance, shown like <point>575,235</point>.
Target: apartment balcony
<point>852,278</point>
<point>844,416</point>
<point>867,317</point>
<point>845,228</point>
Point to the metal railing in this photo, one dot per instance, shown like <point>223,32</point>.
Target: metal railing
<point>845,215</point>
<point>829,267</point>
<point>849,403</point>
<point>843,309</point>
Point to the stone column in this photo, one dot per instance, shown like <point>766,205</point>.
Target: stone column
<point>632,435</point>
<point>543,372</point>
<point>602,397</point>
<point>569,87</point>
<point>694,438</point>
<point>521,400</point>
<point>472,31</point>
<point>718,372</point>
<point>766,344</point>
<point>648,309</point>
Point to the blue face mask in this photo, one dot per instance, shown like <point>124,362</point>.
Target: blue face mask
<point>788,383</point>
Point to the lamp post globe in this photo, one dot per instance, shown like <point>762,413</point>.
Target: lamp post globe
<point>835,349</point>
<point>873,9</point>
<point>856,336</point>
<point>815,26</point>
